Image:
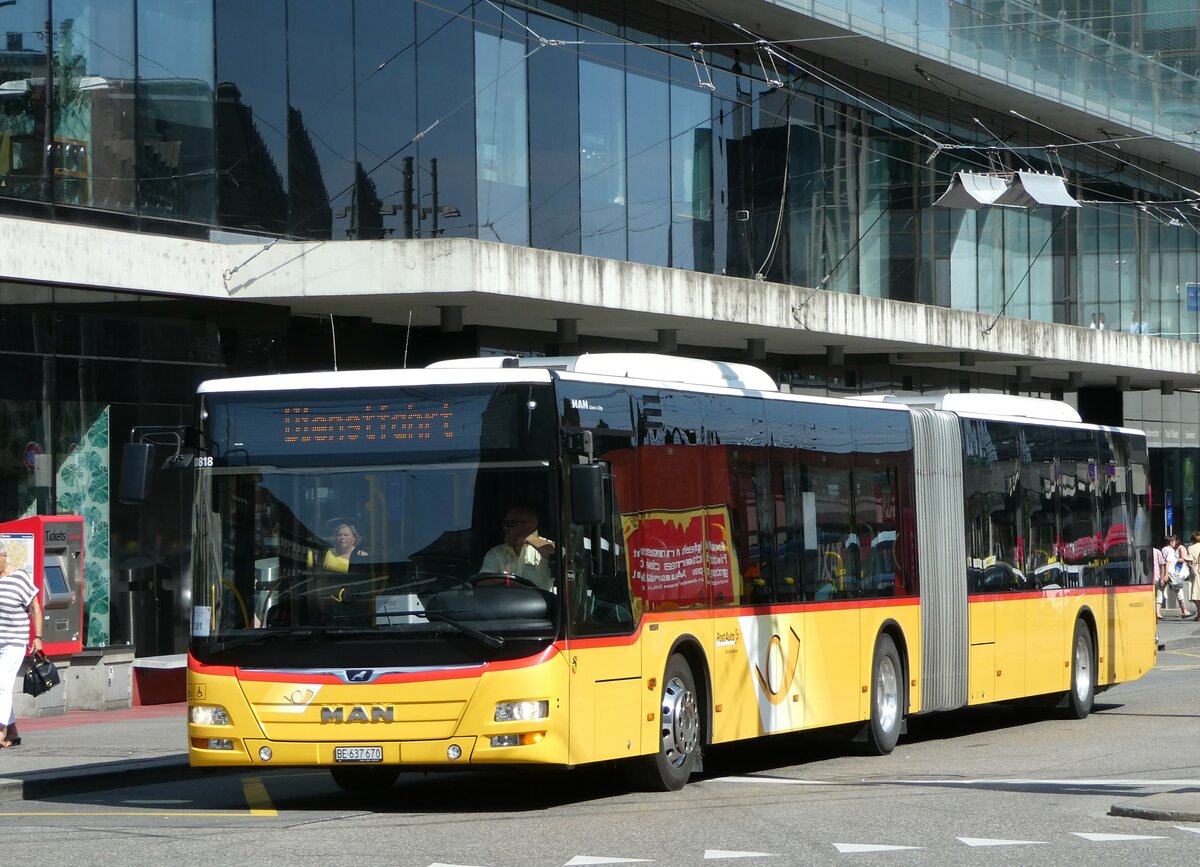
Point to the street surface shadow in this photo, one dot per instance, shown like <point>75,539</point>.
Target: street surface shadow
<point>501,791</point>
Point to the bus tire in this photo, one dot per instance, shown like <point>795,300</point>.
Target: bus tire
<point>887,695</point>
<point>1083,673</point>
<point>378,778</point>
<point>680,732</point>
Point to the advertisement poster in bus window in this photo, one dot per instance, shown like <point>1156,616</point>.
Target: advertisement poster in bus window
<point>681,558</point>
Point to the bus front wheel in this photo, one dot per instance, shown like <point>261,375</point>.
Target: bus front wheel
<point>379,778</point>
<point>1083,680</point>
<point>887,692</point>
<point>680,731</point>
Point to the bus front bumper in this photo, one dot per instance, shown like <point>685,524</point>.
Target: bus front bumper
<point>462,750</point>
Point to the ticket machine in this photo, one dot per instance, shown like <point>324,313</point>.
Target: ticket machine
<point>50,549</point>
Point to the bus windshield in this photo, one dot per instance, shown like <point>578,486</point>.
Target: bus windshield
<point>391,539</point>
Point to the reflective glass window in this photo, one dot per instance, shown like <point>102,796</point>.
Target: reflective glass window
<point>175,159</point>
<point>1117,508</point>
<point>602,213</point>
<point>252,115</point>
<point>554,126</point>
<point>445,176</point>
<point>321,155</point>
<point>671,540</point>
<point>811,445</point>
<point>691,171</point>
<point>647,96</point>
<point>1036,447</point>
<point>1140,504</point>
<point>991,481</point>
<point>24,137</point>
<point>740,557</point>
<point>1077,502</point>
<point>385,98</point>
<point>501,130</point>
<point>883,554</point>
<point>724,92</point>
<point>93,146</point>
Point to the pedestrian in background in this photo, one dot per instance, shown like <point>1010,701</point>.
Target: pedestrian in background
<point>1160,581</point>
<point>1193,587</point>
<point>18,599</point>
<point>1178,573</point>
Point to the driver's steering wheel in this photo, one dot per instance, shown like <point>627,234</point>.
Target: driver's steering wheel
<point>491,578</point>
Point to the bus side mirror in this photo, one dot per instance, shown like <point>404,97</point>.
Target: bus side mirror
<point>587,494</point>
<point>137,473</point>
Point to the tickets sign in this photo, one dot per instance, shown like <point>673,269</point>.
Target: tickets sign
<point>681,557</point>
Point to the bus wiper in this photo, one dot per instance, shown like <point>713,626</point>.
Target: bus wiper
<point>489,640</point>
<point>265,635</point>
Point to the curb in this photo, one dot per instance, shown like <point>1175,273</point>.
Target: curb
<point>1183,806</point>
<point>71,780</point>
<point>1188,643</point>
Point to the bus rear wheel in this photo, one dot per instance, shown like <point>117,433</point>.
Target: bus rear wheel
<point>370,779</point>
<point>887,692</point>
<point>680,730</point>
<point>1083,680</point>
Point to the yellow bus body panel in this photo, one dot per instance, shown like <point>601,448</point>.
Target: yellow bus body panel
<point>1030,653</point>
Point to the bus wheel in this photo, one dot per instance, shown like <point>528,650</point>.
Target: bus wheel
<point>679,726</point>
<point>887,693</point>
<point>373,779</point>
<point>1083,681</point>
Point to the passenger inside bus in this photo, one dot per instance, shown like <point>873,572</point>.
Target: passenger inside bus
<point>524,553</point>
<point>346,549</point>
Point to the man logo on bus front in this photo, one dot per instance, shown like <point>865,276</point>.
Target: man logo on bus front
<point>359,675</point>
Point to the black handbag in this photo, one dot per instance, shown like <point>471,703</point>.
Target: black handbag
<point>40,674</point>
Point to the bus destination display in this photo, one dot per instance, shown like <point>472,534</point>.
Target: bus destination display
<point>252,431</point>
<point>400,422</point>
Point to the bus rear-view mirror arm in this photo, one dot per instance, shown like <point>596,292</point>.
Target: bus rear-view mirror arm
<point>138,458</point>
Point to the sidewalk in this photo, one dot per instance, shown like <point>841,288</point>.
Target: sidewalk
<point>83,750</point>
<point>1177,634</point>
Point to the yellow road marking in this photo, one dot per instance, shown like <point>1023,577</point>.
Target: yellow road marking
<point>257,797</point>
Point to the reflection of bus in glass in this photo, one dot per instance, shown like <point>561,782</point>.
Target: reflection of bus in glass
<point>729,562</point>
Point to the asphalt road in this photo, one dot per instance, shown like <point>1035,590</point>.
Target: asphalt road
<point>990,786</point>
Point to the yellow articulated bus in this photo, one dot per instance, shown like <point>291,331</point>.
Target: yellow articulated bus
<point>624,557</point>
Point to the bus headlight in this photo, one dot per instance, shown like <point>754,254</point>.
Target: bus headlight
<point>208,715</point>
<point>513,711</point>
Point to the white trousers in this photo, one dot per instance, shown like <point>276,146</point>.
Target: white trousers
<point>11,657</point>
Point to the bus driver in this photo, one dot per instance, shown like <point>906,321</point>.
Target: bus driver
<point>523,553</point>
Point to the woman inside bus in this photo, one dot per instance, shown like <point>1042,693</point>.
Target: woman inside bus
<point>345,550</point>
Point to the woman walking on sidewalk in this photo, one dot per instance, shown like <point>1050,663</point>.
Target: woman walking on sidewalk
<point>1193,586</point>
<point>18,599</point>
<point>1180,571</point>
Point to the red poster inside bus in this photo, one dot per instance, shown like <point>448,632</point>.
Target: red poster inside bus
<point>681,558</point>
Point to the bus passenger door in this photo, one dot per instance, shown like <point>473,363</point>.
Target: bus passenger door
<point>602,653</point>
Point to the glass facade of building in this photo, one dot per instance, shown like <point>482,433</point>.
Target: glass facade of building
<point>628,131</point>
